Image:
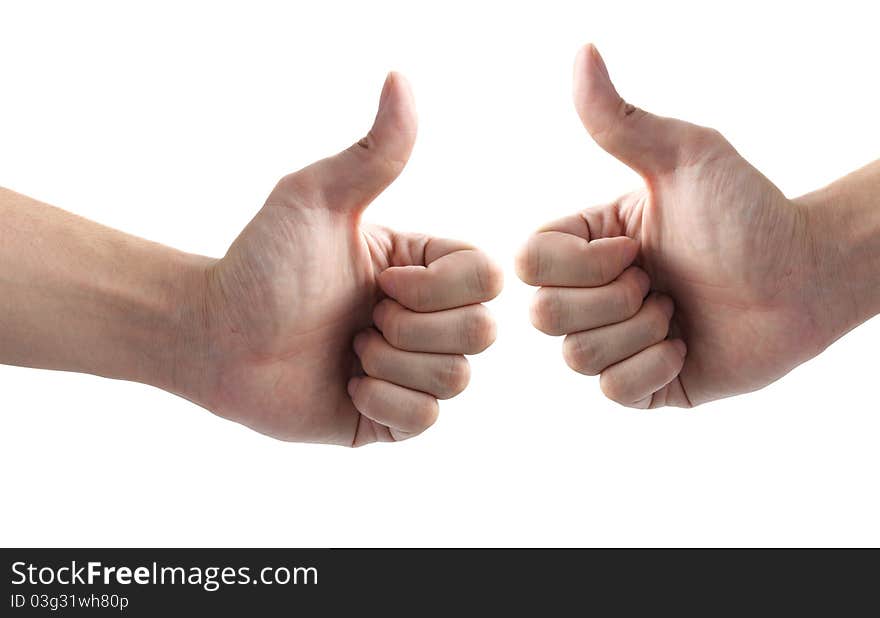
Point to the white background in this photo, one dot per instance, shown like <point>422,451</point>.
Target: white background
<point>173,121</point>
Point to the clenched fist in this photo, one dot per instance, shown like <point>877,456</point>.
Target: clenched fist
<point>321,329</point>
<point>701,285</point>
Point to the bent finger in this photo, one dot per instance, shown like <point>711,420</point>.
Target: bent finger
<point>591,351</point>
<point>635,379</point>
<point>465,330</point>
<point>405,412</point>
<point>562,259</point>
<point>442,375</point>
<point>558,311</point>
<point>463,277</point>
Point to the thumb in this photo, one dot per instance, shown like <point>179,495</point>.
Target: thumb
<point>351,179</point>
<point>645,142</point>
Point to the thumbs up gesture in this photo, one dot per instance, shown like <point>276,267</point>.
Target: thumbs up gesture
<point>698,286</point>
<point>322,329</point>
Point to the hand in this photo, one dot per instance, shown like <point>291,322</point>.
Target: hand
<point>702,285</point>
<point>321,329</point>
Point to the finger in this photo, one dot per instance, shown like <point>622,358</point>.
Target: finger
<point>352,179</point>
<point>590,352</point>
<point>601,221</point>
<point>405,412</point>
<point>635,379</point>
<point>643,141</point>
<point>463,277</point>
<point>442,375</point>
<point>576,225</point>
<point>561,259</point>
<point>558,311</point>
<point>465,330</point>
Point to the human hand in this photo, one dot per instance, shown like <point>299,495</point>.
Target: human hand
<point>320,329</point>
<point>702,285</point>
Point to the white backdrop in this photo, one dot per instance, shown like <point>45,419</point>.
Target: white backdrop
<point>174,120</point>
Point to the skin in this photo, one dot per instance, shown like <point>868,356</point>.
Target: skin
<point>708,282</point>
<point>313,327</point>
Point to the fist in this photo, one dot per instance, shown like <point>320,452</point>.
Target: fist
<point>320,328</point>
<point>701,285</point>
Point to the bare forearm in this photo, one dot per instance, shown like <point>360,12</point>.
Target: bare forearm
<point>845,222</point>
<point>77,296</point>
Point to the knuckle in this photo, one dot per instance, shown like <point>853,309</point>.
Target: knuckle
<point>421,297</point>
<point>602,271</point>
<point>580,354</point>
<point>488,277</point>
<point>528,261</point>
<point>296,189</point>
<point>546,311</point>
<point>609,135</point>
<point>658,324</point>
<point>401,333</point>
<point>424,415</point>
<point>712,136</point>
<point>393,324</point>
<point>478,331</point>
<point>454,377</point>
<point>369,150</point>
<point>629,297</point>
<point>289,182</point>
<point>612,387</point>
<point>370,356</point>
<point>363,396</point>
<point>672,360</point>
<point>704,140</point>
<point>391,166</point>
<point>382,310</point>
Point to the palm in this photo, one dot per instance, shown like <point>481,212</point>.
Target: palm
<point>726,253</point>
<point>298,282</point>
<point>281,353</point>
<point>728,247</point>
<point>321,329</point>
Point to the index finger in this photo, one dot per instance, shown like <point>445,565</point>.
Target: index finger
<point>564,260</point>
<point>462,277</point>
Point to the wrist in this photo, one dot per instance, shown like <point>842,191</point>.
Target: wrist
<point>843,220</point>
<point>184,365</point>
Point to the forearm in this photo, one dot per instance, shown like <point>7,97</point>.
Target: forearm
<point>844,219</point>
<point>77,296</point>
